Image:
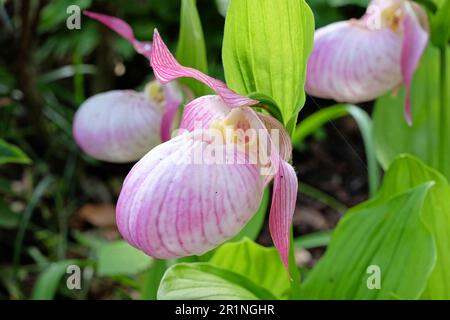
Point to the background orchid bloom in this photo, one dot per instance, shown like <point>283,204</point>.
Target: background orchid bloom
<point>359,60</point>
<point>171,206</point>
<point>123,125</point>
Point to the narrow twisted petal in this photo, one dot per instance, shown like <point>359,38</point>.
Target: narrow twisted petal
<point>414,43</point>
<point>170,206</point>
<point>168,118</point>
<point>172,102</point>
<point>117,126</point>
<point>285,187</point>
<point>166,69</point>
<point>352,63</point>
<point>123,29</point>
<point>284,197</point>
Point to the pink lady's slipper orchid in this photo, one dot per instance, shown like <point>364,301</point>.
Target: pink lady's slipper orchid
<point>175,203</point>
<point>123,125</point>
<point>359,60</point>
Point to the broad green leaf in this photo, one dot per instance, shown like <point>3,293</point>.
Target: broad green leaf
<point>253,227</point>
<point>191,50</point>
<point>311,124</point>
<point>203,281</point>
<point>261,265</point>
<point>48,281</point>
<point>11,154</point>
<point>408,172</point>
<point>388,233</point>
<point>119,258</point>
<point>429,136</point>
<point>266,57</point>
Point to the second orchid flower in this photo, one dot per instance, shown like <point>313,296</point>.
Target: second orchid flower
<point>359,60</point>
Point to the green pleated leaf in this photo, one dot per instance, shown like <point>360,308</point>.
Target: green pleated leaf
<point>191,50</point>
<point>429,136</point>
<point>266,57</point>
<point>11,154</point>
<point>203,281</point>
<point>261,265</point>
<point>387,234</point>
<point>408,172</point>
<point>120,258</point>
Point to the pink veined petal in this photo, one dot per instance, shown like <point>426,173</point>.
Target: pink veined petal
<point>171,207</point>
<point>284,197</point>
<point>201,112</point>
<point>414,43</point>
<point>276,129</point>
<point>268,152</point>
<point>352,63</point>
<point>123,29</point>
<point>166,69</point>
<point>117,126</point>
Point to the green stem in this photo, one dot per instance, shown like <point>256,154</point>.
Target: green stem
<point>151,280</point>
<point>443,138</point>
<point>323,197</point>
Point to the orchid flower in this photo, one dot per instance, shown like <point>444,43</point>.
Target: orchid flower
<point>359,60</point>
<point>123,125</point>
<point>173,206</point>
